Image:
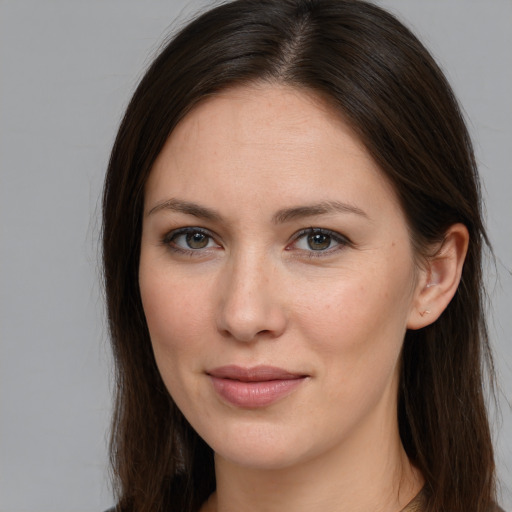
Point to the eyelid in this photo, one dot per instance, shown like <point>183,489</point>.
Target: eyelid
<point>342,241</point>
<point>168,239</point>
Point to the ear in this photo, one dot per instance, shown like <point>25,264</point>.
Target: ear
<point>439,279</point>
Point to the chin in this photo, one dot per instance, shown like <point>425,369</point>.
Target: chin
<point>262,447</point>
<point>260,458</point>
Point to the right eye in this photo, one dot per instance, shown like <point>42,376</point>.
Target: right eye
<point>190,240</point>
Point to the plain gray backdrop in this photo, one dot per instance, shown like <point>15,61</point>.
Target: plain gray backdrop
<point>67,69</point>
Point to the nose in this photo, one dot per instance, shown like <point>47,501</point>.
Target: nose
<point>251,305</point>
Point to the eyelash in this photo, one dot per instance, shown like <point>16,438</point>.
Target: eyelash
<point>170,238</point>
<point>341,241</point>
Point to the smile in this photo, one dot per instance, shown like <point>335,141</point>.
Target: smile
<point>254,387</point>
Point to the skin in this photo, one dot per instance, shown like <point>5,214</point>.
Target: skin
<point>257,294</point>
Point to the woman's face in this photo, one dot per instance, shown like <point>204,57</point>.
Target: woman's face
<point>277,278</point>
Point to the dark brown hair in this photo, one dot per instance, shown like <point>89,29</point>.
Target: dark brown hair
<point>385,84</point>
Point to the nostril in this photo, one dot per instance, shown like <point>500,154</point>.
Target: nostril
<point>250,306</point>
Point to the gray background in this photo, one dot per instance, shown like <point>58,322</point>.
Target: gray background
<point>67,69</point>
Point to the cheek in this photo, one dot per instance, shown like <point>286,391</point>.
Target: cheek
<point>357,321</point>
<point>176,315</point>
<point>352,304</point>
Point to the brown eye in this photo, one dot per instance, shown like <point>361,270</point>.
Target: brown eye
<point>319,241</point>
<point>190,239</point>
<point>197,240</point>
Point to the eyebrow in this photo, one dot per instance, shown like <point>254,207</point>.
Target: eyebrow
<point>188,208</point>
<point>323,208</point>
<point>280,217</point>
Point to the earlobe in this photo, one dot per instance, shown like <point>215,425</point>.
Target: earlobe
<point>440,278</point>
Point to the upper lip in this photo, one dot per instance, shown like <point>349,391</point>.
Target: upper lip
<point>253,374</point>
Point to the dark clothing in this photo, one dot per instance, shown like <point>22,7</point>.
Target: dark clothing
<point>416,505</point>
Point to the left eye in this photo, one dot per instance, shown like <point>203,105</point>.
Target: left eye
<point>319,240</point>
<point>190,239</point>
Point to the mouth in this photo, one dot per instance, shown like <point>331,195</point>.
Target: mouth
<point>254,387</point>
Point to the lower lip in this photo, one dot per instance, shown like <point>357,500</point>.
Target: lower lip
<point>254,394</point>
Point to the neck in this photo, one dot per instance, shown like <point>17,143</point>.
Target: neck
<point>372,474</point>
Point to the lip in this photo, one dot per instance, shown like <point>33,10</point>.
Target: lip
<point>254,387</point>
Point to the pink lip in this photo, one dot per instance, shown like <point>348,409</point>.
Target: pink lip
<point>254,387</point>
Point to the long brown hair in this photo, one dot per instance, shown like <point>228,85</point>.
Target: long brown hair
<point>381,79</point>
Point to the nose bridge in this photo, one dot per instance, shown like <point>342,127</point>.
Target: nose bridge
<point>250,305</point>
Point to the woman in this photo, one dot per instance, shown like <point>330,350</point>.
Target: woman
<point>292,253</point>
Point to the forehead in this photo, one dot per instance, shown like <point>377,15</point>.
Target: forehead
<point>270,141</point>
<point>274,115</point>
